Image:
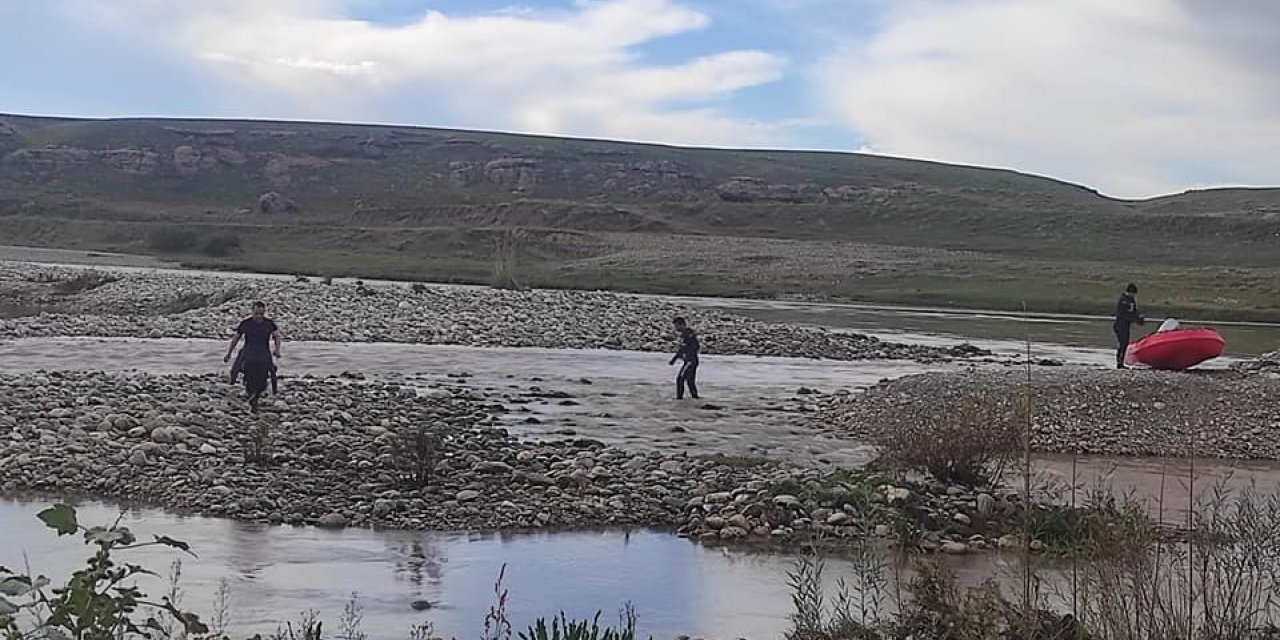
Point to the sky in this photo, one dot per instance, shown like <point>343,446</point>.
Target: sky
<point>1132,97</point>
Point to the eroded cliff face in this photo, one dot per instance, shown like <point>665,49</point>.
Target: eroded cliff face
<point>308,163</point>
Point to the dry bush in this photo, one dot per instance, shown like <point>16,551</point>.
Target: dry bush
<point>506,257</point>
<point>966,437</point>
<point>1221,583</point>
<point>415,452</point>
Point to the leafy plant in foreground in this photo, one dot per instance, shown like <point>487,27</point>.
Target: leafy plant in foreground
<point>561,628</point>
<point>98,602</point>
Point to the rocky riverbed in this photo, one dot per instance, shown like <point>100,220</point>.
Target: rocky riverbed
<point>333,452</point>
<point>1224,414</point>
<point>45,301</point>
<point>1267,364</point>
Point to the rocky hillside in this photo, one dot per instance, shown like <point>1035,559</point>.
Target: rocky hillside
<point>422,203</point>
<point>401,176</point>
<point>326,164</point>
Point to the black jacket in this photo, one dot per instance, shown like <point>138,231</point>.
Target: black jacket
<point>1127,311</point>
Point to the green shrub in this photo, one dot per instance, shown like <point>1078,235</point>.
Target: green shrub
<point>172,239</point>
<point>98,602</point>
<point>220,244</point>
<point>561,628</point>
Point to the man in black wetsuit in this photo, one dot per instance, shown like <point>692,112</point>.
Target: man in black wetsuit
<point>688,352</point>
<point>261,342</point>
<point>1126,314</point>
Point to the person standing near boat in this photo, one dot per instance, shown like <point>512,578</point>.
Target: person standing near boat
<point>1126,315</point>
<point>261,342</point>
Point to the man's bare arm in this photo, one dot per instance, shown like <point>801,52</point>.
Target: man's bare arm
<point>275,338</point>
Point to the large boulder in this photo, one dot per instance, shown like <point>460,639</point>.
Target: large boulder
<point>272,203</point>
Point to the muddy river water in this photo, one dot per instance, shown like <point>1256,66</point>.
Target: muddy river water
<point>623,398</point>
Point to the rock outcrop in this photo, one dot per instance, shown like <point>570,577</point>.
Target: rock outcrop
<point>272,203</point>
<point>186,160</point>
<point>516,174</point>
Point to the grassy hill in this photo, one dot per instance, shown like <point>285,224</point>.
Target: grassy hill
<point>436,204</point>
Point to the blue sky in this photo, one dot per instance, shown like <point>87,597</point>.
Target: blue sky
<point>1135,98</point>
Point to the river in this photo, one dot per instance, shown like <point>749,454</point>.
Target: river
<point>619,397</point>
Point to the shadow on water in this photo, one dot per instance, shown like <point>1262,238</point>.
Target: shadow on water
<point>275,573</point>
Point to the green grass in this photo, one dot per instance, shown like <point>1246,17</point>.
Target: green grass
<point>464,256</point>
<point>976,237</point>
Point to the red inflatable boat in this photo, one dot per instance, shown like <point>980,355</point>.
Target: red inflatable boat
<point>1175,350</point>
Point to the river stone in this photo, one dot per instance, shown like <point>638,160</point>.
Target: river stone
<point>382,508</point>
<point>332,521</point>
<point>786,500</point>
<point>986,505</point>
<point>839,518</point>
<point>897,495</point>
<point>954,548</point>
<point>208,449</point>
<point>467,495</point>
<point>962,519</point>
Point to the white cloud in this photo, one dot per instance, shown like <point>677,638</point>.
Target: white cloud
<point>569,71</point>
<point>1135,97</point>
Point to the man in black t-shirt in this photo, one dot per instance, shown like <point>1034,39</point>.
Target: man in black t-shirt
<point>261,342</point>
